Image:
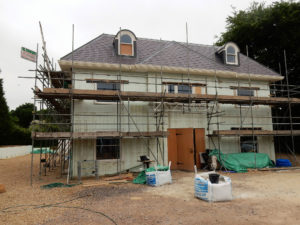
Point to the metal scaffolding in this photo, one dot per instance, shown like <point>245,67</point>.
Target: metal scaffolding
<point>55,93</point>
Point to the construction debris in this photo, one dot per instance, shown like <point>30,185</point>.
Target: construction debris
<point>127,176</point>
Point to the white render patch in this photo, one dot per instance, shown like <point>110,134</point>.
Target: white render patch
<point>14,151</point>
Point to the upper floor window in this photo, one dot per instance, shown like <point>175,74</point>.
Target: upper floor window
<point>230,53</point>
<point>245,92</point>
<point>126,39</point>
<point>171,88</point>
<point>125,43</point>
<point>184,89</point>
<point>108,86</point>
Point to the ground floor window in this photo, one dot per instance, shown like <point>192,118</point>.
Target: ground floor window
<point>107,148</point>
<point>248,144</point>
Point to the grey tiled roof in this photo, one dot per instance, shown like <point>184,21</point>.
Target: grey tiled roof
<point>165,53</point>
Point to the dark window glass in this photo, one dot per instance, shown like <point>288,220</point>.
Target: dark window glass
<point>126,39</point>
<point>108,86</point>
<point>231,58</point>
<point>248,144</point>
<point>171,88</point>
<point>107,148</point>
<point>231,50</point>
<point>184,89</point>
<point>245,92</point>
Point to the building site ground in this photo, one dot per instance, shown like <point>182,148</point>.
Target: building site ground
<point>260,197</point>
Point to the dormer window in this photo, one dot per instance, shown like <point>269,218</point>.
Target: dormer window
<point>126,46</point>
<point>230,53</point>
<point>125,43</point>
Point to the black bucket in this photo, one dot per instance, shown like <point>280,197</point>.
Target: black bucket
<point>214,178</point>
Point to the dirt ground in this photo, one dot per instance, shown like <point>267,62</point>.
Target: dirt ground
<point>259,198</point>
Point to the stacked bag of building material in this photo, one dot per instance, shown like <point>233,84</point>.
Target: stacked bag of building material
<point>213,187</point>
<point>158,177</point>
<point>283,163</point>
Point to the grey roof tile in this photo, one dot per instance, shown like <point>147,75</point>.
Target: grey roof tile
<point>165,53</point>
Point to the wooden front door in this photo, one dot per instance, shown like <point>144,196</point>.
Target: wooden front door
<point>185,149</point>
<point>184,146</point>
<point>199,144</point>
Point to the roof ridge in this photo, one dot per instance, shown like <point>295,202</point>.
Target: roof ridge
<point>153,39</point>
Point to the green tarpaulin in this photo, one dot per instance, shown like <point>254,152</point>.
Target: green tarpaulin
<point>241,162</point>
<point>141,178</point>
<point>55,185</point>
<point>44,150</point>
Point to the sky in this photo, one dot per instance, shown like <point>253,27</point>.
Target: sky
<point>146,18</point>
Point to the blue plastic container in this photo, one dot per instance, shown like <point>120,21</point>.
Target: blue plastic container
<point>283,163</point>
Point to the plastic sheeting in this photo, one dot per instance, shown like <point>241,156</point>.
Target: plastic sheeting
<point>241,162</point>
<point>55,185</point>
<point>141,178</point>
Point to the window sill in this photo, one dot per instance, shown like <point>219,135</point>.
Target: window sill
<point>109,160</point>
<point>105,103</point>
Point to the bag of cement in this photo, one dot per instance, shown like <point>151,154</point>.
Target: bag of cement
<point>158,178</point>
<point>210,192</point>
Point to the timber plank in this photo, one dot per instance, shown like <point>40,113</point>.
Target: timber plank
<point>92,135</point>
<point>256,132</point>
<point>152,96</point>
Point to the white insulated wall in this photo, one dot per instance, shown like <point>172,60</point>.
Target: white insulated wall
<point>91,115</point>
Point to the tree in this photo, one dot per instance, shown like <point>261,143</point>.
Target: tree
<point>268,31</point>
<point>23,113</point>
<point>10,133</point>
<point>6,123</point>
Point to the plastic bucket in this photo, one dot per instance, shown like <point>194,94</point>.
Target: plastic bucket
<point>214,178</point>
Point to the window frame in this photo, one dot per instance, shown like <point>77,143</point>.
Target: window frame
<point>255,94</point>
<point>190,89</point>
<point>118,149</point>
<point>174,88</point>
<point>193,87</point>
<point>123,43</point>
<point>107,102</point>
<point>250,138</point>
<point>246,90</point>
<point>236,54</point>
<point>131,41</point>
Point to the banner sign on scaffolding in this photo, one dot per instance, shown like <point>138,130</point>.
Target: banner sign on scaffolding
<point>28,54</point>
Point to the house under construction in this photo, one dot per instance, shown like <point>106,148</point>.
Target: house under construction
<point>119,97</point>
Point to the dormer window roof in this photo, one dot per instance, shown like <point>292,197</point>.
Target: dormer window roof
<point>125,43</point>
<point>230,53</point>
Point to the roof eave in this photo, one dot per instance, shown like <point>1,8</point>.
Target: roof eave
<point>66,65</point>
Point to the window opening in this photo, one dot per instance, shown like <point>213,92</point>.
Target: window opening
<point>107,148</point>
<point>184,89</point>
<point>248,143</point>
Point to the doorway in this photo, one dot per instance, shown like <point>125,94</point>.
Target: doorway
<point>184,146</point>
